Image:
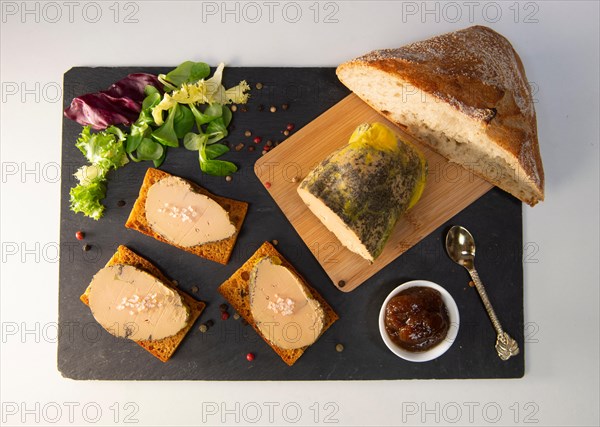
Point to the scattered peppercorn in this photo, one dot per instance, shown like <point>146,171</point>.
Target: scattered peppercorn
<point>257,139</point>
<point>285,106</point>
<point>234,108</point>
<point>194,289</point>
<point>339,348</point>
<point>267,184</point>
<point>223,307</point>
<point>175,283</point>
<point>247,133</point>
<point>269,143</point>
<point>341,283</point>
<point>275,242</point>
<point>210,323</point>
<point>260,107</point>
<point>471,283</point>
<point>236,316</point>
<point>273,109</point>
<point>290,127</point>
<point>203,328</point>
<point>250,357</point>
<point>239,147</point>
<point>87,247</point>
<point>251,148</point>
<point>286,132</point>
<point>80,235</point>
<point>264,152</point>
<point>228,178</point>
<point>121,203</point>
<point>224,315</point>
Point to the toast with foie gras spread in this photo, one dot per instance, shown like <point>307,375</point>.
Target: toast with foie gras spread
<point>278,315</point>
<point>164,218</point>
<point>164,348</point>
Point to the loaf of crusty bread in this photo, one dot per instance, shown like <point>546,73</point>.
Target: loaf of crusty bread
<point>466,95</point>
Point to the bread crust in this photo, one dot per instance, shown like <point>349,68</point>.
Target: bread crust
<point>164,348</point>
<point>478,72</point>
<point>215,251</point>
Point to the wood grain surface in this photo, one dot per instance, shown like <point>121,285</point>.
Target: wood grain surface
<point>450,188</point>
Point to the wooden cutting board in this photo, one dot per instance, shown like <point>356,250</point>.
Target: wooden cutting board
<point>450,188</point>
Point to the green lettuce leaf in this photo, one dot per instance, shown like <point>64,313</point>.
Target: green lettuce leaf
<point>103,149</point>
<point>187,72</point>
<point>85,198</point>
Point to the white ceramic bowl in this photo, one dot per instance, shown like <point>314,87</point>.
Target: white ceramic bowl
<point>434,352</point>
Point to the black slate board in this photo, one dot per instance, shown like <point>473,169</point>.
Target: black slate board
<point>85,351</point>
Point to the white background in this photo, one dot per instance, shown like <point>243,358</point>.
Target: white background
<point>558,43</point>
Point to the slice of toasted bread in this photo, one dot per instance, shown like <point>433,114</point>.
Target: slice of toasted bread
<point>215,251</point>
<point>162,349</point>
<point>465,94</point>
<point>236,291</point>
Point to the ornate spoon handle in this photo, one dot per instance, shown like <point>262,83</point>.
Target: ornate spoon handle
<point>505,345</point>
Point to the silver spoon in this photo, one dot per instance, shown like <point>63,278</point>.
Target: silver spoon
<point>460,246</point>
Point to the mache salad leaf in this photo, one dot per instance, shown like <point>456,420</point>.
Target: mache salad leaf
<point>212,166</point>
<point>186,72</point>
<point>207,154</point>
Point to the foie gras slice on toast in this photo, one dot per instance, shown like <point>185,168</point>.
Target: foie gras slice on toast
<point>282,307</point>
<point>464,93</point>
<point>361,190</point>
<point>288,313</point>
<point>183,214</point>
<point>184,217</point>
<point>131,303</point>
<point>131,298</point>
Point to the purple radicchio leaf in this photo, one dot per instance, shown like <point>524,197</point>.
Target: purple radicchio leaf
<point>119,104</point>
